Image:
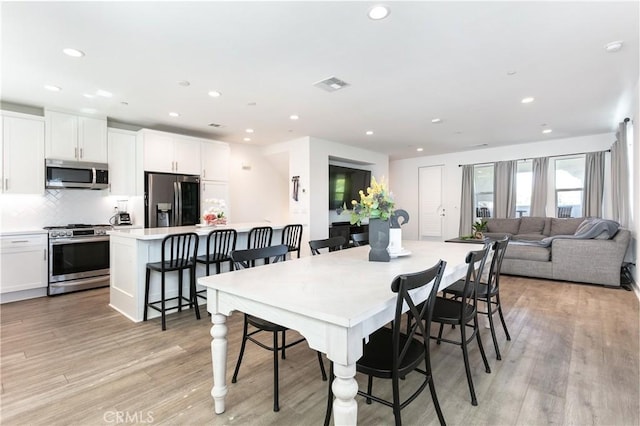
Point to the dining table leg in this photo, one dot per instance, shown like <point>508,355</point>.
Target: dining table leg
<point>219,360</point>
<point>345,388</point>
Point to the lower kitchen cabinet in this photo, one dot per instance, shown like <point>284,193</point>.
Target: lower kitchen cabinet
<point>23,263</point>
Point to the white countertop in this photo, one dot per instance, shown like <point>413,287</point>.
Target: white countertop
<point>160,233</point>
<point>22,232</point>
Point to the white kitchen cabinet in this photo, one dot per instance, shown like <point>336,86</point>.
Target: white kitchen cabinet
<point>214,190</point>
<point>215,161</point>
<point>169,153</point>
<point>22,154</point>
<point>122,162</point>
<point>23,260</point>
<point>75,138</point>
<point>187,156</point>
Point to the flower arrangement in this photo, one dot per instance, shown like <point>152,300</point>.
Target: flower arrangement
<point>215,213</point>
<point>376,204</point>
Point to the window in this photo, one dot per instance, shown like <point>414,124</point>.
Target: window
<point>523,188</point>
<point>483,190</point>
<point>569,186</point>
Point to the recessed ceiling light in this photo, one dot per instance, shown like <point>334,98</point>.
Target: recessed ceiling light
<point>511,72</point>
<point>419,149</point>
<point>378,12</point>
<point>293,117</point>
<point>369,132</point>
<point>247,139</point>
<point>74,53</point>
<point>214,93</point>
<point>614,46</point>
<point>545,131</point>
<point>184,83</point>
<point>52,88</point>
<point>104,93</point>
<point>527,100</point>
<point>249,130</point>
<point>436,120</point>
<point>88,95</point>
<point>174,114</point>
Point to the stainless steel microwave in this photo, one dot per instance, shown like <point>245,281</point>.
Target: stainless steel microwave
<point>75,174</point>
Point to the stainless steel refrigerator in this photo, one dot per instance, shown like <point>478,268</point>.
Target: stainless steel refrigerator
<point>171,200</point>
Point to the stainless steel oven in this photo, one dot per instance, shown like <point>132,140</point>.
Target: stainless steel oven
<point>78,258</point>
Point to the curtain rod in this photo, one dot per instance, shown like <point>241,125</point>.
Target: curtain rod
<point>524,159</point>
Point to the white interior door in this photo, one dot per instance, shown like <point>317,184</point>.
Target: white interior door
<point>431,211</point>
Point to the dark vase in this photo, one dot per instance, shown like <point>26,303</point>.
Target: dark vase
<point>378,240</point>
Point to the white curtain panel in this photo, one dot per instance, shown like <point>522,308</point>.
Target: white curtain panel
<point>620,178</point>
<point>539,182</point>
<point>593,184</point>
<point>466,201</point>
<point>504,187</point>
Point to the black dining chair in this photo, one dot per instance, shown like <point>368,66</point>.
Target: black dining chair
<point>220,244</point>
<point>360,239</point>
<point>178,252</point>
<point>246,259</point>
<point>292,237</point>
<point>464,313</point>
<point>488,290</point>
<point>391,354</point>
<point>332,244</point>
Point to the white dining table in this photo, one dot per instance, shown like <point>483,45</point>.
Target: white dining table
<point>335,300</point>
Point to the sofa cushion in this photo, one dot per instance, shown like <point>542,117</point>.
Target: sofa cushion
<point>531,225</point>
<point>565,226</point>
<point>506,226</point>
<point>528,237</point>
<point>527,252</point>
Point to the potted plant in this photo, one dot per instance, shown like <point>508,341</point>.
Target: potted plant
<point>479,227</point>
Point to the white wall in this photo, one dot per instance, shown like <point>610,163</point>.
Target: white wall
<point>404,173</point>
<point>257,189</point>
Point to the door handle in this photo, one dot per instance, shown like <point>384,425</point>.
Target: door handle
<point>81,154</point>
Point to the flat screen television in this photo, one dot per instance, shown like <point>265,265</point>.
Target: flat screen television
<point>345,184</point>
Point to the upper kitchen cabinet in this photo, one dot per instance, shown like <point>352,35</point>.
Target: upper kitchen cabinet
<point>75,138</point>
<point>170,153</point>
<point>122,162</point>
<point>215,161</point>
<point>22,154</point>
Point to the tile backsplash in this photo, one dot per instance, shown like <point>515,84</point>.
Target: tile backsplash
<point>56,207</point>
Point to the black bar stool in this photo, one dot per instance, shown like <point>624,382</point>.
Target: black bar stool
<point>259,237</point>
<point>220,244</point>
<point>292,237</point>
<point>178,252</point>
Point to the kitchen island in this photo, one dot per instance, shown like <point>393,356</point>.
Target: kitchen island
<point>132,249</point>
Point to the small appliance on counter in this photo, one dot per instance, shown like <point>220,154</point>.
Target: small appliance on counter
<point>121,218</point>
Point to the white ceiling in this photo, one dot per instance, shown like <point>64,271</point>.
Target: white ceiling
<point>427,59</point>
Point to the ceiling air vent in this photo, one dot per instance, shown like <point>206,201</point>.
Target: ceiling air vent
<point>331,84</point>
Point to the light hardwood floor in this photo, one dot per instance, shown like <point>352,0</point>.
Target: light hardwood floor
<point>573,359</point>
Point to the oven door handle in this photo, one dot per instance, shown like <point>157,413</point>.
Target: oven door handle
<point>61,241</point>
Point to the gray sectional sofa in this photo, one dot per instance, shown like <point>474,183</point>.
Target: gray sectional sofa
<point>564,256</point>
